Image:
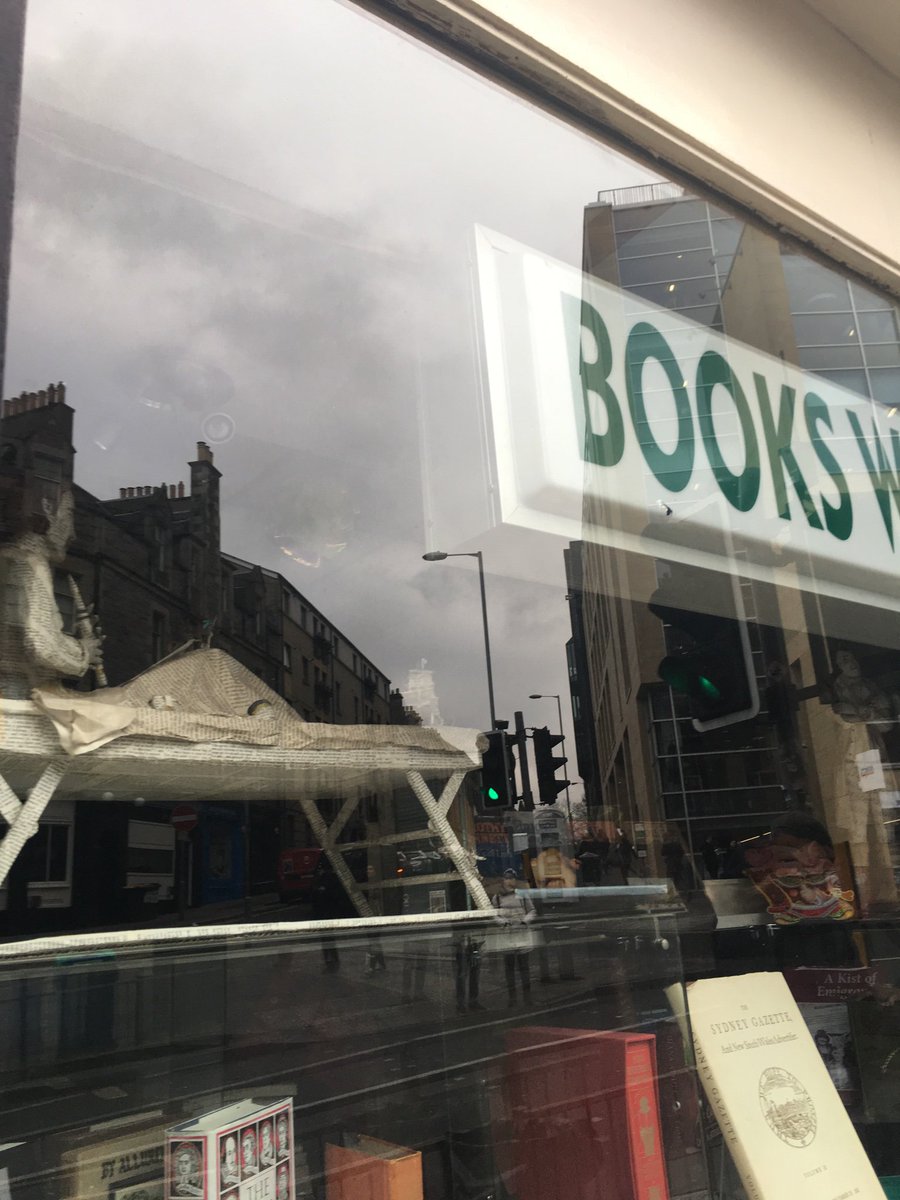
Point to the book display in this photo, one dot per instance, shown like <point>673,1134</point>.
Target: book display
<point>242,1152</point>
<point>773,1096</point>
<point>584,1108</point>
<point>121,1160</point>
<point>587,1088</point>
<point>367,1168</point>
<point>875,1030</point>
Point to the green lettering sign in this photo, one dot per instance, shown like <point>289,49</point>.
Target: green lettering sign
<point>838,517</point>
<point>740,490</point>
<point>603,449</point>
<point>672,468</point>
<point>778,436</point>
<point>885,483</point>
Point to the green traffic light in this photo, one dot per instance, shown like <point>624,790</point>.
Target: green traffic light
<point>493,794</point>
<point>708,688</point>
<point>682,677</point>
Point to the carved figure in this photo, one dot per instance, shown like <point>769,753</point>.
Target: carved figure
<point>35,651</point>
<point>202,707</point>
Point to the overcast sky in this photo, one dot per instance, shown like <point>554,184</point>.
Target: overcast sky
<point>251,224</point>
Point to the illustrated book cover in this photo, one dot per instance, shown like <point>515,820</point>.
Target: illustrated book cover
<point>241,1152</point>
<point>776,1104</point>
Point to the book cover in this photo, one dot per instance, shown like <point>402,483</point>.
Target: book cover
<point>876,1037</point>
<point>20,1167</point>
<point>367,1168</point>
<point>115,1160</point>
<point>820,985</point>
<point>585,1110</point>
<point>829,1025</point>
<point>679,1111</point>
<point>799,878</point>
<point>241,1152</point>
<point>784,1122</point>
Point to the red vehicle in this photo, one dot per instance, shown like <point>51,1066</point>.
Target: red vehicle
<point>296,869</point>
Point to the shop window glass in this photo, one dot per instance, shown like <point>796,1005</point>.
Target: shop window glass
<point>852,380</point>
<point>679,239</point>
<point>885,382</point>
<point>865,300</point>
<point>683,294</point>
<point>834,330</point>
<point>726,236</point>
<point>883,355</point>
<point>664,268</point>
<point>814,288</point>
<point>348,330</point>
<point>831,357</point>
<point>878,327</point>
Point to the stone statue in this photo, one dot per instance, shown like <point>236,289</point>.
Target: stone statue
<point>857,698</point>
<point>35,650</point>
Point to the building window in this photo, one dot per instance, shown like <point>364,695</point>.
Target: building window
<point>160,550</point>
<point>49,854</point>
<point>158,635</point>
<point>304,670</point>
<point>286,656</point>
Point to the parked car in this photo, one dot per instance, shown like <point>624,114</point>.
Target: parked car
<point>296,870</point>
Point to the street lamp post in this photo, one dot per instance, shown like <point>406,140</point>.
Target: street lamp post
<point>439,556</point>
<point>555,696</point>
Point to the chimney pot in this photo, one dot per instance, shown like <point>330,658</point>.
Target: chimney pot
<point>131,493</point>
<point>42,399</point>
<point>181,489</point>
<point>123,492</point>
<point>172,491</point>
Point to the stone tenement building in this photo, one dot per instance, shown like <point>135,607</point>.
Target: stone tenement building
<point>151,563</point>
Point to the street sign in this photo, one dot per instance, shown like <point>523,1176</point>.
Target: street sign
<point>184,818</point>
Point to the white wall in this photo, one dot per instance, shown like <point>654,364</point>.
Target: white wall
<point>763,99</point>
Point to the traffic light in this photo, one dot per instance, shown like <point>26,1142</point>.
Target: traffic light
<point>710,659</point>
<point>547,764</point>
<point>498,772</point>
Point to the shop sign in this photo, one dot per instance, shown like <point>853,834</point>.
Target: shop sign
<point>612,418</point>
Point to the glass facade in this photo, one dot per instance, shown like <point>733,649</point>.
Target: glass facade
<point>505,666</point>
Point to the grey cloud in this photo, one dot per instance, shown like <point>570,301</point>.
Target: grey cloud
<point>271,219</point>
